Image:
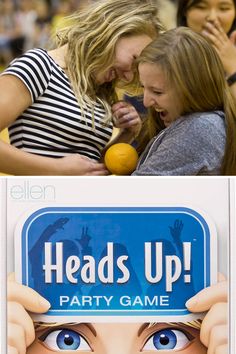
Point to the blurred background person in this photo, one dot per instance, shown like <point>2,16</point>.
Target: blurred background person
<point>11,34</point>
<point>215,20</point>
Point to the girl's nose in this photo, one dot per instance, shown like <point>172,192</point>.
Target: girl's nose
<point>212,15</point>
<point>147,100</point>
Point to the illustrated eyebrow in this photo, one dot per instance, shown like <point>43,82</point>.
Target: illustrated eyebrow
<point>142,328</point>
<point>46,333</point>
<point>92,329</point>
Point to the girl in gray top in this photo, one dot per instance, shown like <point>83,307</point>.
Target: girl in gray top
<point>192,112</point>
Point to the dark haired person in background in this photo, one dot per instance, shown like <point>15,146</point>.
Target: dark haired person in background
<point>216,20</point>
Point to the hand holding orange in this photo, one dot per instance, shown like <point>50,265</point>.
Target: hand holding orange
<point>121,159</point>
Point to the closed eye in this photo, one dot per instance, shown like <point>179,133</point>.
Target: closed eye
<point>200,5</point>
<point>158,93</point>
<point>225,8</point>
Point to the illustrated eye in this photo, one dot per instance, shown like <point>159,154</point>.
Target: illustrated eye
<point>65,339</point>
<point>166,339</point>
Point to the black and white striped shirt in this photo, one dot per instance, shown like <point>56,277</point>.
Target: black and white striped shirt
<point>53,125</point>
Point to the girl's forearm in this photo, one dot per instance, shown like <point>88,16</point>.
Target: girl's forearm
<point>17,162</point>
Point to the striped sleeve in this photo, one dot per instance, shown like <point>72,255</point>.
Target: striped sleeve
<point>34,69</point>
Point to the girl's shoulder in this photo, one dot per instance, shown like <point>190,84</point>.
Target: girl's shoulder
<point>202,119</point>
<point>34,68</point>
<point>207,116</point>
<point>34,61</point>
<point>199,126</point>
<point>36,55</point>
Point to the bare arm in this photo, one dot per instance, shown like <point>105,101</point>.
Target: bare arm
<point>14,99</point>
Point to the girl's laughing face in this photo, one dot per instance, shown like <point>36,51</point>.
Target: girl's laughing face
<point>158,94</point>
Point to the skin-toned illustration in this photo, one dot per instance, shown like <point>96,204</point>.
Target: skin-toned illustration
<point>216,20</point>
<point>208,337</point>
<point>125,338</point>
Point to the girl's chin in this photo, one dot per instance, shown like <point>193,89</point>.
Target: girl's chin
<point>167,122</point>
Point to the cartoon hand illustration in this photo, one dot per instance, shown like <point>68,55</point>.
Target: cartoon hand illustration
<point>176,232</point>
<point>20,325</point>
<point>214,329</point>
<point>177,229</point>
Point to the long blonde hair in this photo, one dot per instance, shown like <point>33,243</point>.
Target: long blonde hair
<point>91,37</point>
<point>193,68</point>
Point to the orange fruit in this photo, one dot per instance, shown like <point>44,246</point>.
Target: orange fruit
<point>121,159</point>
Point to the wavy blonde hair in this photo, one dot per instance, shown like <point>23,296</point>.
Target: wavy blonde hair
<point>193,68</point>
<point>92,35</point>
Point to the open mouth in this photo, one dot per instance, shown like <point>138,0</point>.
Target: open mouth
<point>163,113</point>
<point>110,76</point>
<point>158,109</point>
